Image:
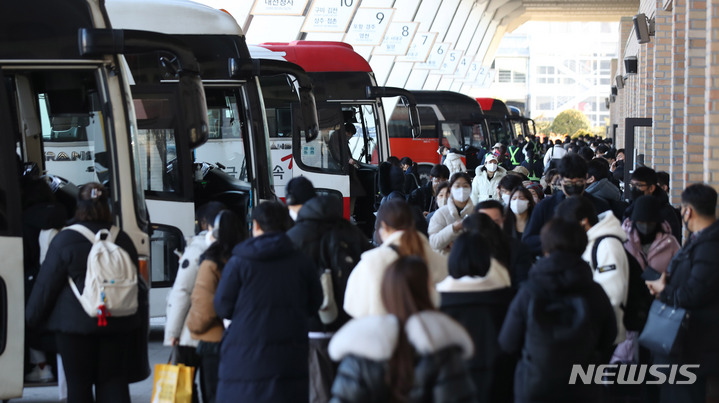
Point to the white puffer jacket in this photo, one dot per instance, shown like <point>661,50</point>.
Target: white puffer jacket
<point>612,271</point>
<point>178,301</point>
<point>454,163</point>
<point>362,295</point>
<point>484,188</point>
<point>441,233</point>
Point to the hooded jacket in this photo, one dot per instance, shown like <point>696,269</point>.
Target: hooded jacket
<point>660,252</point>
<point>483,187</point>
<point>612,271</point>
<point>666,212</point>
<point>604,189</point>
<point>362,296</point>
<point>315,218</point>
<point>365,347</point>
<point>178,301</point>
<point>269,290</point>
<point>480,305</point>
<point>441,233</point>
<point>692,284</point>
<point>559,274</point>
<point>454,163</point>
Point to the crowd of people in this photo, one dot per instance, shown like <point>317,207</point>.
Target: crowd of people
<point>481,286</point>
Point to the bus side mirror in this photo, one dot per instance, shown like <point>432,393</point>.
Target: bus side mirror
<point>408,97</point>
<point>98,42</point>
<point>247,69</point>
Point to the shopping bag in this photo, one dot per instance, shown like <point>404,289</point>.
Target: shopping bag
<point>172,383</point>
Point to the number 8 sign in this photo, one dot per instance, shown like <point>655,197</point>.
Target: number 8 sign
<point>397,39</point>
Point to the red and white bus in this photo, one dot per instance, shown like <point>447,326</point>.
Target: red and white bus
<point>345,91</point>
<point>233,165</point>
<point>500,120</point>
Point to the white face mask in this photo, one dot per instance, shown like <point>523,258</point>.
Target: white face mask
<point>491,167</point>
<point>505,199</point>
<point>519,206</point>
<point>293,215</point>
<point>461,194</point>
<point>209,239</point>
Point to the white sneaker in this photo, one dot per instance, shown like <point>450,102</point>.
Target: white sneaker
<point>40,375</point>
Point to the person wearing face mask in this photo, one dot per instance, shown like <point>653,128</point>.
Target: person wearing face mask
<point>486,180</point>
<point>520,209</point>
<point>298,191</point>
<point>441,199</point>
<point>644,182</point>
<point>648,238</point>
<point>446,224</point>
<point>506,186</point>
<point>179,299</point>
<point>573,173</point>
<point>692,282</point>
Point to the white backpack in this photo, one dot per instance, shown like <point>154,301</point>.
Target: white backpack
<point>111,277</point>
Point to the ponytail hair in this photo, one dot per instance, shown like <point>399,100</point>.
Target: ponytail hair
<point>404,293</point>
<point>92,204</point>
<point>397,214</point>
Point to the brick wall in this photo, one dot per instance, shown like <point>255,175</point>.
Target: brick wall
<point>711,97</point>
<point>662,89</point>
<point>676,169</point>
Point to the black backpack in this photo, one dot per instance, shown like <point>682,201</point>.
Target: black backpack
<point>340,248</point>
<point>559,335</point>
<point>639,300</point>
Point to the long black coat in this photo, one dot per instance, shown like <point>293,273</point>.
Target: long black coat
<point>482,314</point>
<point>559,273</point>
<point>694,285</point>
<point>52,304</point>
<point>315,218</point>
<point>269,290</point>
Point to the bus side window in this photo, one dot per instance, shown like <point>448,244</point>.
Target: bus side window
<point>158,148</point>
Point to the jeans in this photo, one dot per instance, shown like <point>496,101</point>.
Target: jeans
<point>209,366</point>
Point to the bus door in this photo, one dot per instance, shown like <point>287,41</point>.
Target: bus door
<point>422,149</point>
<point>12,311</point>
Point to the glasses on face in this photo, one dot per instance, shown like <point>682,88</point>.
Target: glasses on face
<point>569,182</point>
<point>638,185</point>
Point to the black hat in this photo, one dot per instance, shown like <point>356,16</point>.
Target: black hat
<point>298,191</point>
<point>646,209</point>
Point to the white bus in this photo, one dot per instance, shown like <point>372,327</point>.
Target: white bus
<point>65,107</point>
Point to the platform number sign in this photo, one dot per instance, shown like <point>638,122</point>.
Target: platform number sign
<point>279,7</point>
<point>397,39</point>
<point>369,26</point>
<point>329,15</point>
<point>436,56</point>
<point>420,47</point>
<point>451,62</point>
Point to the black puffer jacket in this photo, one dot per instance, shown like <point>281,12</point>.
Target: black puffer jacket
<point>315,218</point>
<point>366,345</point>
<point>556,275</point>
<point>53,305</point>
<point>693,284</point>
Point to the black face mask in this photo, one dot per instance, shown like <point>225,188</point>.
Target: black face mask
<point>635,193</point>
<point>574,190</point>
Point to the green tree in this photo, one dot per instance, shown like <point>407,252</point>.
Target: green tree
<point>569,122</point>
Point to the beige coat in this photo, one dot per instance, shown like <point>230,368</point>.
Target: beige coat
<point>441,233</point>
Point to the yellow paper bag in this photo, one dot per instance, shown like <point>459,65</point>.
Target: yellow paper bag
<point>172,383</point>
